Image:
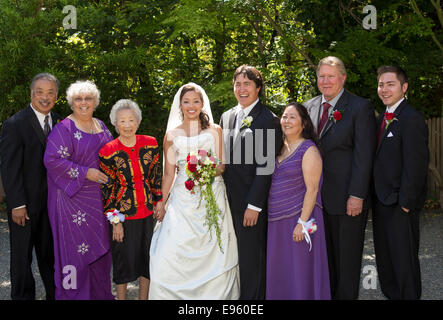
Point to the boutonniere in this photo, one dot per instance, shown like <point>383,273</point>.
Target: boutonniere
<point>336,115</point>
<point>389,118</point>
<point>246,122</point>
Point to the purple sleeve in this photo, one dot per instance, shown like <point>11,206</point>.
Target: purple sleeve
<point>61,168</point>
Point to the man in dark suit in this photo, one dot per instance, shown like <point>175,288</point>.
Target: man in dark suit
<point>346,126</point>
<point>252,138</point>
<point>400,173</point>
<point>22,145</point>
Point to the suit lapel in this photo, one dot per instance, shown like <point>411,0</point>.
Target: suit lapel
<point>314,112</point>
<point>230,127</point>
<point>379,122</point>
<point>340,105</point>
<point>255,112</point>
<point>231,120</point>
<point>388,128</point>
<point>55,119</point>
<point>36,125</point>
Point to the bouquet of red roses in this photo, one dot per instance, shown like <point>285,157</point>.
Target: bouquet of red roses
<point>200,168</point>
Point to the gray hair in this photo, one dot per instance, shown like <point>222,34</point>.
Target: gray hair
<point>85,87</point>
<point>124,104</point>
<point>334,62</point>
<point>45,76</point>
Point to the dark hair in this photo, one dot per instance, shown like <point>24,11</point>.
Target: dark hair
<point>252,74</point>
<point>45,76</point>
<point>203,117</point>
<point>308,128</point>
<point>401,74</point>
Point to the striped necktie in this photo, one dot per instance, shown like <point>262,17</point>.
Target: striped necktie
<point>47,127</point>
<point>324,117</point>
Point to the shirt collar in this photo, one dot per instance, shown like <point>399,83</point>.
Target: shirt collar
<point>248,109</point>
<point>333,101</point>
<point>394,107</point>
<point>41,117</point>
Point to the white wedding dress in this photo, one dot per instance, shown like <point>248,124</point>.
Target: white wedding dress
<point>185,261</point>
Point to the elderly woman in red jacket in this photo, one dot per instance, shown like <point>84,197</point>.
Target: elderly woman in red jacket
<point>133,189</point>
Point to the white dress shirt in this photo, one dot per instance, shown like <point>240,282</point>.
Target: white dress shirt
<point>41,117</point>
<point>394,106</point>
<point>332,102</point>
<point>248,109</point>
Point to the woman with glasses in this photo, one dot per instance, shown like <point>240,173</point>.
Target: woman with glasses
<point>80,230</point>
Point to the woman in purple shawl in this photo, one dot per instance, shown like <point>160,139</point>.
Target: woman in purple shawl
<point>81,232</point>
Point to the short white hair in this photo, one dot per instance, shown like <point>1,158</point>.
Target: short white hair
<point>83,87</point>
<point>124,104</point>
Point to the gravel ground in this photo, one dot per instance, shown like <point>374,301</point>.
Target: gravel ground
<point>431,260</point>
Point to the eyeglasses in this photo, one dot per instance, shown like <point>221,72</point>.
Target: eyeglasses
<point>86,99</point>
<point>40,93</point>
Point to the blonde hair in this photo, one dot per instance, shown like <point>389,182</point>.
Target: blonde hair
<point>334,62</point>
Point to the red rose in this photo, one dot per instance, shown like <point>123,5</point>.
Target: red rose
<point>189,184</point>
<point>337,115</point>
<point>389,116</point>
<point>188,158</point>
<point>192,167</point>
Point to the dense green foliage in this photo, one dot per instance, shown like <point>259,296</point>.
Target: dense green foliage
<point>146,49</point>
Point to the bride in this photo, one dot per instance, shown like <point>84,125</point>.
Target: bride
<point>186,261</point>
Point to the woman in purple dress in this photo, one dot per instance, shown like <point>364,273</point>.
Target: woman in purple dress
<point>297,265</point>
<point>81,232</point>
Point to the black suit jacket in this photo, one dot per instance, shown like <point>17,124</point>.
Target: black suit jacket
<point>401,160</point>
<point>347,147</point>
<point>250,157</point>
<point>22,146</point>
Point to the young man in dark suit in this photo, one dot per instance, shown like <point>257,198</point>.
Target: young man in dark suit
<point>22,145</point>
<point>400,173</point>
<point>252,138</point>
<point>346,126</point>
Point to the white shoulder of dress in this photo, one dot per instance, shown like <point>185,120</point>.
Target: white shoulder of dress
<point>197,137</point>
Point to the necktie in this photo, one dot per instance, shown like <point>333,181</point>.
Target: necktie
<point>46,128</point>
<point>324,117</point>
<point>382,129</point>
<point>238,122</point>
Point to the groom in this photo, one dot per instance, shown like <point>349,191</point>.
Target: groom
<point>252,138</point>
